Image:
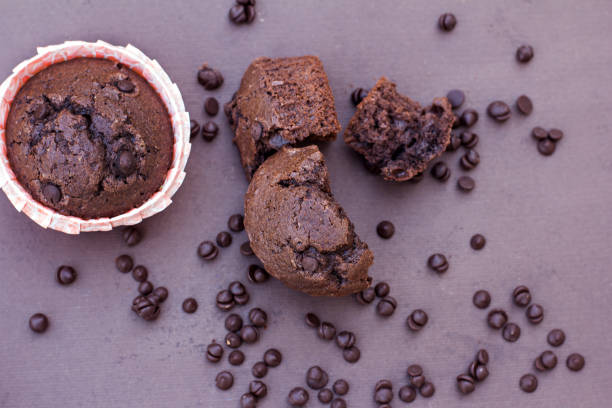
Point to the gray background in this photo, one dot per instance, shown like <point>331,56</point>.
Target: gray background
<point>547,219</point>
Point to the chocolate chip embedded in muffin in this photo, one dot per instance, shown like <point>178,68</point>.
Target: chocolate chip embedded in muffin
<point>89,138</point>
<point>395,135</point>
<point>299,231</point>
<point>282,101</point>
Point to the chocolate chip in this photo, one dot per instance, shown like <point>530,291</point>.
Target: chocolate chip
<point>575,362</point>
<point>535,313</point>
<point>207,250</point>
<point>52,193</point>
<point>214,352</point>
<point>237,288</point>
<point>146,307</point>
<point>414,370</point>
<point>237,14</point>
<point>233,323</point>
<point>470,159</point>
<point>345,339</point>
<point>248,400</point>
<point>124,263</point>
<point>357,95</point>
<point>469,117</point>
<point>257,274</point>
<point>556,337</point>
<point>190,305</point>
<point>524,53</point>
<point>232,340</point>
<point>66,275</point>
<point>125,163</point>
<point>211,106</point>
<point>477,242</point>
<point>466,183</point>
<point>481,373</point>
<point>417,320</point>
<point>145,288</point>
<point>383,392</point>
<point>546,147</point>
<point>407,393</point>
<point>521,296</point>
<point>131,236</point>
<point>427,390</point>
<point>338,403</point>
<point>497,318</point>
<point>161,293</point>
<point>325,396</point>
<point>236,223</point>
<point>539,133</point>
<point>258,389</point>
<point>316,378</point>
<point>249,334</point>
<point>224,380</point>
<point>382,289</point>
<point>259,370</point>
<point>140,273</point>
<point>351,354</point>
<point>386,306</point>
<point>417,380</point>
<point>524,105</point>
<point>465,384</point>
<point>210,130</point>
<point>258,317</point>
<point>528,383</point>
<point>366,296</point>
<point>385,229</point>
<point>447,22</point>
<point>481,299</point>
<point>440,171</point>
<point>38,323</point>
<point>438,263</point>
<point>555,135</point>
<point>225,300</point>
<point>341,387</point>
<point>224,239</point>
<point>326,331</point>
<point>472,369</point>
<point>499,111</point>
<point>210,78</point>
<point>309,264</point>
<point>298,397</point>
<point>469,139</point>
<point>125,85</point>
<point>273,357</point>
<point>455,97</point>
<point>546,361</point>
<point>455,142</point>
<point>312,320</point>
<point>246,250</point>
<point>194,129</point>
<point>511,332</point>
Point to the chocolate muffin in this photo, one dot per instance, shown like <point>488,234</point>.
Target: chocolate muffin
<point>281,102</point>
<point>395,135</point>
<point>299,231</point>
<point>89,138</point>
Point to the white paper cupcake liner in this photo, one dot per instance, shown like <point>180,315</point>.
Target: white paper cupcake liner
<point>151,71</point>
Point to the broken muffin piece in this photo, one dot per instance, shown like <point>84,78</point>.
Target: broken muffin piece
<point>299,231</point>
<point>281,101</point>
<point>395,135</point>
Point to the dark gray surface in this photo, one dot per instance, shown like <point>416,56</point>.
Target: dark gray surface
<point>547,220</point>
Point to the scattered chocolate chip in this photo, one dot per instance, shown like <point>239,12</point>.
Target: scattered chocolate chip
<point>477,242</point>
<point>447,22</point>
<point>224,239</point>
<point>482,357</point>
<point>545,361</point>
<point>207,250</point>
<point>259,370</point>
<point>210,130</point>
<point>345,339</point>
<point>233,323</point>
<point>316,378</point>
<point>455,141</point>
<point>125,85</point>
<point>357,95</point>
<point>237,14</point>
<point>312,320</point>
<point>386,306</point>
<point>385,229</point>
<point>224,380</point>
<point>246,250</point>
<point>497,318</point>
<point>326,331</point>
<point>440,171</point>
<point>455,97</point>
<point>39,322</point>
<point>248,400</point>
<point>325,396</point>
<point>140,273</point>
<point>546,147</point>
<point>233,340</point>
<point>524,105</point>
<point>556,337</point>
<point>124,263</point>
<point>407,393</point>
<point>383,392</point>
<point>469,139</point>
<point>210,78</point>
<point>470,159</point>
<point>466,183</point>
<point>190,305</point>
<point>225,300</point>
<point>258,317</point>
<point>414,370</point>
<point>382,289</point>
<point>145,288</point>
<point>528,383</point>
<point>258,389</point>
<point>131,236</point>
<point>366,296</point>
<point>524,53</point>
<point>211,106</point>
<point>521,296</point>
<point>511,332</point>
<point>298,397</point>
<point>66,275</point>
<point>146,307</point>
<point>161,293</point>
<point>338,403</point>
<point>236,223</point>
<point>427,390</point>
<point>257,274</point>
<point>539,133</point>
<point>125,163</point>
<point>194,129</point>
<point>535,313</point>
<point>239,292</point>
<point>481,373</point>
<point>52,193</point>
<point>499,111</point>
<point>465,384</point>
<point>351,354</point>
<point>341,387</point>
<point>555,135</point>
<point>273,357</point>
<point>438,263</point>
<point>575,362</point>
<point>249,334</point>
<point>214,352</point>
<point>481,299</point>
<point>417,320</point>
<point>469,117</point>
